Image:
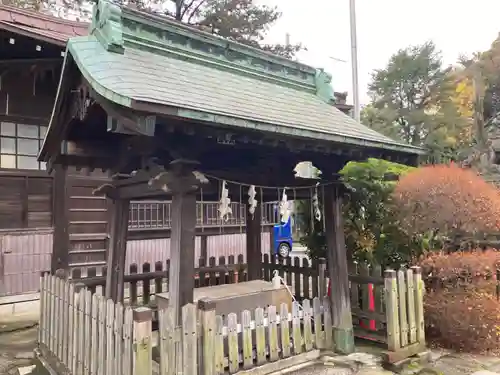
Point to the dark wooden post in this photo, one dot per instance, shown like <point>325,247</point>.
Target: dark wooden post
<point>337,269</point>
<point>182,182</point>
<point>204,246</point>
<point>60,243</point>
<point>254,244</point>
<point>117,249</point>
<point>182,249</point>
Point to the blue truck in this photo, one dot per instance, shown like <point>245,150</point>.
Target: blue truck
<point>282,237</point>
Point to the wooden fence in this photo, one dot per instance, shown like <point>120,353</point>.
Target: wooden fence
<point>82,333</point>
<point>93,336</point>
<point>389,309</point>
<point>387,306</point>
<point>235,343</point>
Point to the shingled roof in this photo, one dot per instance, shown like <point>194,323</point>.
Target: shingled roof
<point>40,26</point>
<point>151,63</point>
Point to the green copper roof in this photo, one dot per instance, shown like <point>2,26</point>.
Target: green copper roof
<point>133,58</point>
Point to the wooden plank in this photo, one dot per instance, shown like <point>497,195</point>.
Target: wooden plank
<point>43,314</point>
<point>368,315</point>
<point>102,335</point>
<point>322,282</point>
<point>53,312</point>
<point>296,334</point>
<point>219,345</point>
<point>366,279</point>
<point>272,333</point>
<point>127,341</point>
<point>418,285</point>
<point>327,323</point>
<point>232,343</point>
<point>297,278</point>
<point>65,322</point>
<point>284,331</point>
<point>378,295</point>
<point>143,358</point>
<point>81,332</point>
<point>59,312</point>
<point>364,271</point>
<point>87,331</point>
<point>207,318</point>
<point>110,316</point>
<point>402,304</point>
<point>246,318</point>
<point>118,335</point>
<point>71,325</point>
<point>94,343</point>
<point>168,342</point>
<point>410,292</point>
<point>354,290</point>
<point>189,339</point>
<point>318,325</point>
<point>306,287</point>
<point>260,336</point>
<point>308,336</point>
<point>392,310</point>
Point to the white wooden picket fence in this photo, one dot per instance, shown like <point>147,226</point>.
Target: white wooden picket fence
<point>82,333</point>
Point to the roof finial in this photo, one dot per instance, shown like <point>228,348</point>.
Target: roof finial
<point>324,88</point>
<point>106,25</point>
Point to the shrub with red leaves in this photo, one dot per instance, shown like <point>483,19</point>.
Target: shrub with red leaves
<point>461,309</point>
<point>448,199</point>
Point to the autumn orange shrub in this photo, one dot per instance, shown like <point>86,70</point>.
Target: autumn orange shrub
<point>449,199</point>
<point>461,309</point>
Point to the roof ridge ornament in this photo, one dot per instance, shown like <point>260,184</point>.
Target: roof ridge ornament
<point>107,25</point>
<point>324,88</point>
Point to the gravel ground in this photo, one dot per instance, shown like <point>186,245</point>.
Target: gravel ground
<point>18,337</point>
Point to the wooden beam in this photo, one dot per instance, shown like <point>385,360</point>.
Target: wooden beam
<point>117,249</point>
<point>90,149</point>
<point>60,198</point>
<point>337,268</point>
<point>254,244</point>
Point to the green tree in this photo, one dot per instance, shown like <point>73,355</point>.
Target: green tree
<point>372,230</point>
<point>412,100</point>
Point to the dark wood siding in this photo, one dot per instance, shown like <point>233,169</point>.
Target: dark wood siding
<point>25,201</point>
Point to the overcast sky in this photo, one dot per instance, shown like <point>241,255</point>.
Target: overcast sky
<point>383,26</point>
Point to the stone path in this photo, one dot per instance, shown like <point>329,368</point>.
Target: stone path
<point>441,363</point>
<point>18,337</point>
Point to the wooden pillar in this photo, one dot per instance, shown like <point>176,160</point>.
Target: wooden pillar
<point>117,249</point>
<point>182,250</point>
<point>60,198</point>
<point>254,244</point>
<point>181,181</point>
<point>204,246</point>
<point>337,269</point>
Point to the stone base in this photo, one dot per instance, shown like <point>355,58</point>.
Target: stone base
<point>344,340</point>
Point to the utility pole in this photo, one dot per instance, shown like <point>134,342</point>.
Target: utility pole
<point>354,61</point>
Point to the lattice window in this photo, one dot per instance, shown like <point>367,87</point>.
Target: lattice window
<point>20,144</point>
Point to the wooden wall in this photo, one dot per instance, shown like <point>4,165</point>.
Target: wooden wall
<point>25,201</point>
<point>27,92</point>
